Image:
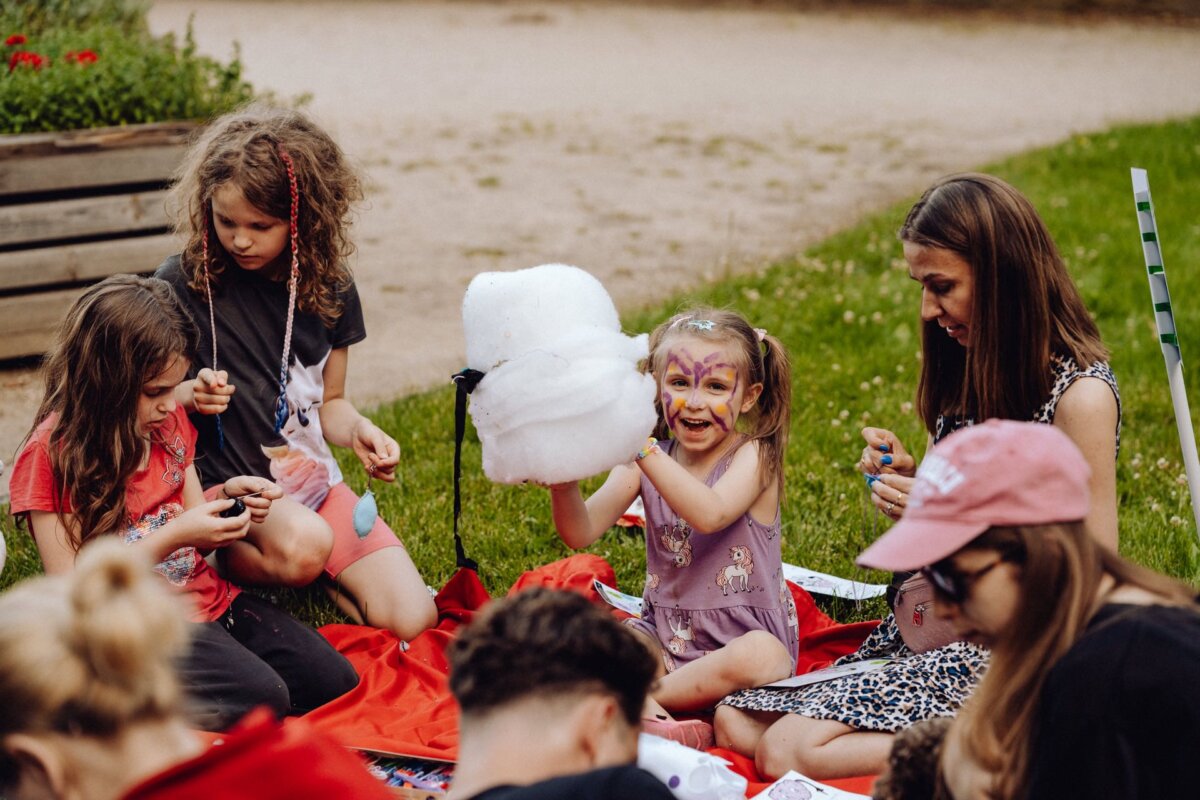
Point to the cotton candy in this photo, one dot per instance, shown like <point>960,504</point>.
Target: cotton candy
<point>563,397</point>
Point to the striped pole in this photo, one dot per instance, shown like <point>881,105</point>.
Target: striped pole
<point>1167,335</point>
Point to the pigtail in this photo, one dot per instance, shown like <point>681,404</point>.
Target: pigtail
<point>773,417</point>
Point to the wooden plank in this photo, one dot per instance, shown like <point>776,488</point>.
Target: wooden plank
<point>85,170</point>
<point>89,216</point>
<point>83,262</point>
<point>28,322</point>
<point>58,142</point>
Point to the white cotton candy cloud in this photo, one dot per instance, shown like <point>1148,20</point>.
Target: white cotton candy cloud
<point>562,398</point>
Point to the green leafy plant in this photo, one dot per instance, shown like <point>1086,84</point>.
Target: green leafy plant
<point>106,69</point>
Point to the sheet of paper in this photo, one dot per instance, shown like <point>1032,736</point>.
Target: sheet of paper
<point>830,673</point>
<point>794,786</point>
<point>626,602</point>
<point>819,583</point>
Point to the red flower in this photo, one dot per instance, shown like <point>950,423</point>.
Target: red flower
<point>28,59</point>
<point>15,39</point>
<point>82,57</point>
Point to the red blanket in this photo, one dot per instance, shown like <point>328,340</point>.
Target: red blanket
<point>402,703</point>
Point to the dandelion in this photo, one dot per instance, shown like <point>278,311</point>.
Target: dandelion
<point>1136,463</point>
<point>866,415</point>
<point>906,407</point>
<point>845,437</point>
<point>836,368</point>
<point>839,299</point>
<point>1181,479</point>
<point>1137,476</point>
<point>843,414</point>
<point>810,476</point>
<point>865,386</point>
<point>877,317</point>
<point>752,295</point>
<point>899,368</point>
<point>1162,463</point>
<point>847,316</point>
<point>1154,506</point>
<point>842,496</point>
<point>835,422</point>
<point>877,380</point>
<point>1176,520</point>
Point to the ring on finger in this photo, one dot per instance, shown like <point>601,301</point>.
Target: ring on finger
<point>889,508</point>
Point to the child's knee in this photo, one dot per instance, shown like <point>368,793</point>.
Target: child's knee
<point>780,750</point>
<point>733,731</point>
<point>405,618</point>
<point>760,658</point>
<point>298,557</point>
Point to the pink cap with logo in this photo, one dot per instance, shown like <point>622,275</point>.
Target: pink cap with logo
<point>1000,472</point>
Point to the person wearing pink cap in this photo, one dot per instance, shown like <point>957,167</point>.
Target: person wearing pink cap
<point>1092,687</point>
<point>1005,335</point>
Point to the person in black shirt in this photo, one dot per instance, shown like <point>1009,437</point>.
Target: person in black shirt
<point>551,690</point>
<point>1091,690</point>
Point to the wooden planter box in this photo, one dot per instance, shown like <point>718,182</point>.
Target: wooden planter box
<point>76,207</point>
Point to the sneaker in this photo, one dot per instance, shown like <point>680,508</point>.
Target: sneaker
<point>691,732</point>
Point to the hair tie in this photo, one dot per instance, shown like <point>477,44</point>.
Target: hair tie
<point>761,333</point>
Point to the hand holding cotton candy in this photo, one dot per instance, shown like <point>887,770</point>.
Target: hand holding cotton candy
<point>562,398</point>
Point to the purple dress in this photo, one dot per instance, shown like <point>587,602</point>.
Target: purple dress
<point>705,590</point>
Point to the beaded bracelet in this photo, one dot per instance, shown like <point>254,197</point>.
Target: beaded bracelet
<point>651,447</point>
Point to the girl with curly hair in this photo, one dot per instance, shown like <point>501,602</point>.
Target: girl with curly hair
<point>263,200</point>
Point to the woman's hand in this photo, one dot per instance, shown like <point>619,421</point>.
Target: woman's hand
<point>378,452</point>
<point>265,492</point>
<point>211,391</point>
<point>889,493</point>
<point>885,455</point>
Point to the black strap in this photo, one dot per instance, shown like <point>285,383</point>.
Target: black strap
<point>464,382</point>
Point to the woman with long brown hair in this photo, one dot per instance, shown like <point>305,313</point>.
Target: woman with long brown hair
<point>1091,690</point>
<point>1005,336</point>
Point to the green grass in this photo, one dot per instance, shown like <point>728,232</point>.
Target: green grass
<point>847,312</point>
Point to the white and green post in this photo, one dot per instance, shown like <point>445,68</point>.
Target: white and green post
<point>1168,336</point>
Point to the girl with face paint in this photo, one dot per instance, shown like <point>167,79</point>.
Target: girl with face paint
<point>711,483</point>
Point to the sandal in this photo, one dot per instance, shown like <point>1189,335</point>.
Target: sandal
<point>694,733</point>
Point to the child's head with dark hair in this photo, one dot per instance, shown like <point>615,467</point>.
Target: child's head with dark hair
<point>548,644</point>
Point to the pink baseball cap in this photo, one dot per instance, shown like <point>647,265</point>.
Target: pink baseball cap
<point>1000,472</point>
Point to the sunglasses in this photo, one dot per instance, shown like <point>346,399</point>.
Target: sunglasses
<point>953,584</point>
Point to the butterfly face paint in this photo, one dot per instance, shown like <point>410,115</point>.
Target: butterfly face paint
<point>702,391</point>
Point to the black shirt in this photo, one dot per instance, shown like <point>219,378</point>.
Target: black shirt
<point>1120,711</point>
<point>626,782</point>
<point>251,315</point>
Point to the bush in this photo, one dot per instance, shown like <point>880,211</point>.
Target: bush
<point>99,66</point>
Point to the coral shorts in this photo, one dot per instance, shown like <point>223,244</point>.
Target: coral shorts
<point>338,511</point>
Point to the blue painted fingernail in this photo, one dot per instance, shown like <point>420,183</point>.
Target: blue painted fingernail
<point>883,448</point>
<point>885,460</point>
<point>871,478</point>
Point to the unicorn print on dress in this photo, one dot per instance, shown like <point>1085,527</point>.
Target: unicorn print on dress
<point>681,627</point>
<point>677,541</point>
<point>740,570</point>
<point>299,463</point>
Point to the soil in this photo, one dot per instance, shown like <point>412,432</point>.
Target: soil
<point>656,147</point>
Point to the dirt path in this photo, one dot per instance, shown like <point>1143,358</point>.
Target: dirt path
<point>655,147</point>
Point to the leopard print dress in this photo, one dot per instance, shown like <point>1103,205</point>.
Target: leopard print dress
<point>916,686</point>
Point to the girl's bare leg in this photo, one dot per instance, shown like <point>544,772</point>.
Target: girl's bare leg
<point>384,589</point>
<point>821,749</point>
<point>740,730</point>
<point>750,660</point>
<point>288,548</point>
